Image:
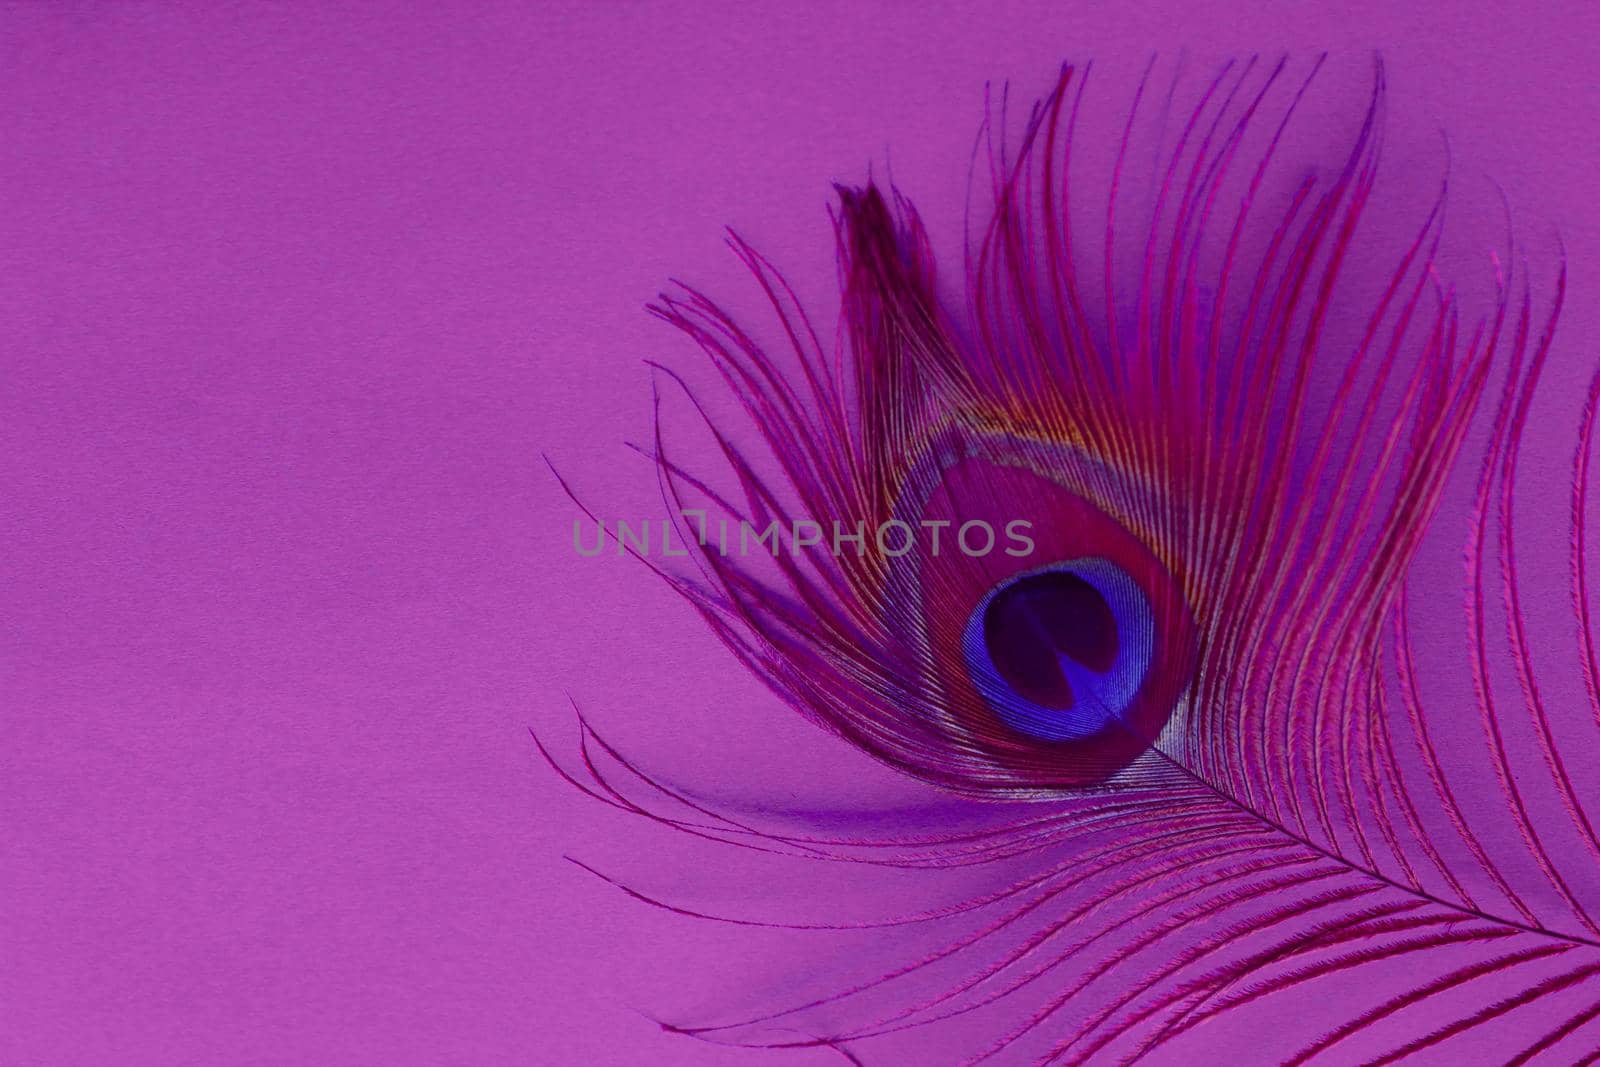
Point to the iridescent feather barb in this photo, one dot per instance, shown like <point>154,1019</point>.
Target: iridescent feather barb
<point>1253,781</point>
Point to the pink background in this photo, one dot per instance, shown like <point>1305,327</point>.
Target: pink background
<point>295,298</point>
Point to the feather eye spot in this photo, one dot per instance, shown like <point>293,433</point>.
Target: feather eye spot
<point>1060,653</point>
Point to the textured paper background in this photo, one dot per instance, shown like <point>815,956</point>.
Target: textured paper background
<point>295,296</point>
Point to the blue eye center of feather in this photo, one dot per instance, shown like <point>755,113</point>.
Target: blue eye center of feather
<point>1060,653</point>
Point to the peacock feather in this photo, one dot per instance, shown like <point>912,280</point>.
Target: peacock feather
<point>1129,548</point>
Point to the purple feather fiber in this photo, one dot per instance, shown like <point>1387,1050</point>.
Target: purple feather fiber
<point>1276,435</point>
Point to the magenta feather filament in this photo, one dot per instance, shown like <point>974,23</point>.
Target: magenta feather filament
<point>1246,776</point>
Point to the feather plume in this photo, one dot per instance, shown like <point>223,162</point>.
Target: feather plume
<point>1230,776</point>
